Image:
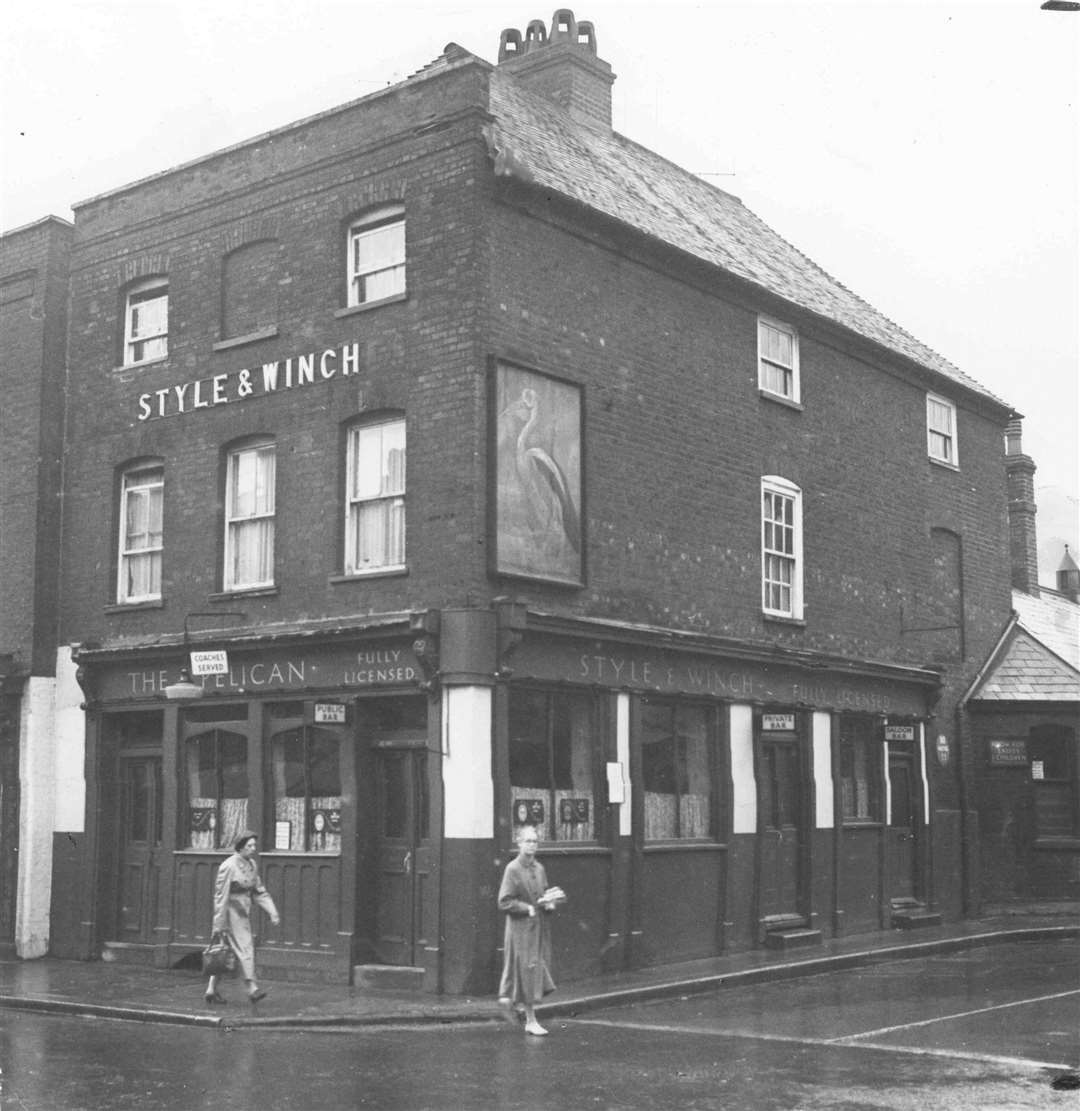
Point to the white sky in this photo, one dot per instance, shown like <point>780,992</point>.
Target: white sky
<point>925,154</point>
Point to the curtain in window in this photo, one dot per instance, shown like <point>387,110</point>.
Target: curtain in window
<point>377,501</point>
<point>217,789</point>
<point>676,772</point>
<point>251,509</point>
<point>142,537</point>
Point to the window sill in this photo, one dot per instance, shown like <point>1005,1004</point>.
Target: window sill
<point>869,824</point>
<point>134,607</point>
<point>363,576</point>
<point>1057,844</point>
<point>352,310</point>
<point>685,846</point>
<point>944,464</point>
<point>250,337</point>
<point>244,592</point>
<point>780,399</point>
<point>571,848</point>
<point>780,619</point>
<point>139,366</point>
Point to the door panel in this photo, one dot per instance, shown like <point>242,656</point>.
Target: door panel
<point>900,836</point>
<point>782,837</point>
<point>405,908</point>
<point>139,845</point>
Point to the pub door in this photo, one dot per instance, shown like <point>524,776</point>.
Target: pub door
<point>901,835</point>
<point>406,912</point>
<point>139,846</point>
<point>782,833</point>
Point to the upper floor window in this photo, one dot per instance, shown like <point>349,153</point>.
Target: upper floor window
<point>249,517</point>
<point>139,570</point>
<point>375,497</point>
<point>376,246</point>
<point>778,359</point>
<point>781,547</point>
<point>941,429</point>
<point>146,321</point>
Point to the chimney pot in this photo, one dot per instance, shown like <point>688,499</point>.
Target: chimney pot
<point>564,26</point>
<point>509,44</point>
<point>536,35</point>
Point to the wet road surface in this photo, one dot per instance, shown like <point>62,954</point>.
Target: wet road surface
<point>985,1029</point>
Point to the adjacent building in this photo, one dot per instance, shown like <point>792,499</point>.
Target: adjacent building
<point>447,461</point>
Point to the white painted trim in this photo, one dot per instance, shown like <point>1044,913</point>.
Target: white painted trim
<point>888,784</point>
<point>468,788</point>
<point>823,780</point>
<point>743,785</point>
<point>924,774</point>
<point>622,754</point>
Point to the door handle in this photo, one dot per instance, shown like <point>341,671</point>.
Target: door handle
<point>407,863</point>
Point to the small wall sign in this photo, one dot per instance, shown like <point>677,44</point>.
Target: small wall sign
<point>778,723</point>
<point>899,732</point>
<point>330,713</point>
<point>1008,753</point>
<point>282,835</point>
<point>944,749</point>
<point>210,663</point>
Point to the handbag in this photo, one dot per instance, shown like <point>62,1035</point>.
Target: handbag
<point>218,957</point>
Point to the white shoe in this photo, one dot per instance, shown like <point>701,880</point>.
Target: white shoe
<point>535,1028</point>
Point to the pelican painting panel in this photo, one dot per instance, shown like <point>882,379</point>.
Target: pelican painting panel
<point>538,517</point>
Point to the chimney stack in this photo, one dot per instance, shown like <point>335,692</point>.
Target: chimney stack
<point>1020,480</point>
<point>561,65</point>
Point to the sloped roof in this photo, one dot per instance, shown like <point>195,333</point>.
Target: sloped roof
<point>1038,659</point>
<point>536,141</point>
<point>1053,620</point>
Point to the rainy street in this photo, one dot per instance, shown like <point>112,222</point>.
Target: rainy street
<point>987,1028</point>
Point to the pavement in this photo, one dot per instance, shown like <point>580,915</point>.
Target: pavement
<point>120,991</point>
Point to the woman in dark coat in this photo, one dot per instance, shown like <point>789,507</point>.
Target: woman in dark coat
<point>526,900</point>
<point>236,885</point>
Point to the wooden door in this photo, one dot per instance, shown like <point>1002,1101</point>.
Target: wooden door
<point>404,910</point>
<point>903,825</point>
<point>139,846</point>
<point>782,836</point>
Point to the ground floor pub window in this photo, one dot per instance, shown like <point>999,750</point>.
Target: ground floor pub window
<point>676,771</point>
<point>554,749</point>
<point>1054,780</point>
<point>860,759</point>
<point>215,761</point>
<point>305,763</point>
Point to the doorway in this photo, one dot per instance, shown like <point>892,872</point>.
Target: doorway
<point>406,912</point>
<point>139,846</point>
<point>782,828</point>
<point>902,832</point>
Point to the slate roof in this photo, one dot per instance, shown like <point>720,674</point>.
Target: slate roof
<point>536,141</point>
<point>1038,659</point>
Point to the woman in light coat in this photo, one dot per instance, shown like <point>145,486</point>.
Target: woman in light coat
<point>526,976</point>
<point>237,884</point>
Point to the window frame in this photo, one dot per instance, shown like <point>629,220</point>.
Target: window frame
<point>855,732</point>
<point>766,362</point>
<point>125,553</point>
<point>714,751</point>
<point>774,486</point>
<point>150,289</point>
<point>550,826</point>
<point>950,455</point>
<point>394,499</point>
<point>363,227</point>
<point>233,522</point>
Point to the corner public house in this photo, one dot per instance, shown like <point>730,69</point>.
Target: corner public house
<point>650,580</point>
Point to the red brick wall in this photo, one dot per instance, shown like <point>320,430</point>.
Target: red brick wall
<point>33,298</point>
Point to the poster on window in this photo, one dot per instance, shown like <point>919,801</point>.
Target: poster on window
<point>538,514</point>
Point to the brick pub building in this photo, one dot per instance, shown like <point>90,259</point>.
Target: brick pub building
<point>446,461</point>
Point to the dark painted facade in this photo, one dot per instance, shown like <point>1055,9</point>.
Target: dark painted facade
<point>693,560</point>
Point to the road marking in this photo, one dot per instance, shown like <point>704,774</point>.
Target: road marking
<point>949,1018</point>
<point>751,1035</point>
